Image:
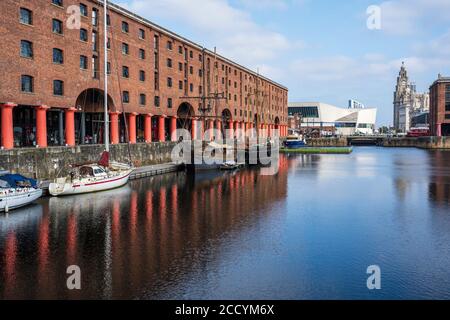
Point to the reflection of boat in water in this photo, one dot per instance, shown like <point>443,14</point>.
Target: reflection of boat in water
<point>24,216</point>
<point>17,191</point>
<point>83,201</point>
<point>295,142</point>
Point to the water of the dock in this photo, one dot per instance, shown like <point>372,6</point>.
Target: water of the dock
<point>309,232</point>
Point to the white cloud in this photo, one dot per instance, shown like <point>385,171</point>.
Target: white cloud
<point>408,17</point>
<point>265,4</point>
<point>270,4</point>
<point>232,30</point>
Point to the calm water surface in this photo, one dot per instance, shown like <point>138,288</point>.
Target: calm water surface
<point>308,233</point>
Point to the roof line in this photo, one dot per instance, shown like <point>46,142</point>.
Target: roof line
<point>172,34</point>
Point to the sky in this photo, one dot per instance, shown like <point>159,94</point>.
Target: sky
<point>322,50</point>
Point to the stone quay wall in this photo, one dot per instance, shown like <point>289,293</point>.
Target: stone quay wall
<point>327,142</point>
<point>421,142</point>
<point>52,162</point>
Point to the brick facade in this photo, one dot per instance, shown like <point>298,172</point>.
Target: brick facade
<point>440,107</point>
<point>246,93</point>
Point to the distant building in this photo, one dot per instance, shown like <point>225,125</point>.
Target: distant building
<point>323,119</point>
<point>295,121</point>
<point>440,107</point>
<point>353,104</point>
<point>421,120</point>
<point>407,102</point>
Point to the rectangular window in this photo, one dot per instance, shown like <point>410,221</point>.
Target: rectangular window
<point>180,66</point>
<point>95,67</point>
<point>58,87</point>
<point>125,48</point>
<point>142,54</point>
<point>180,49</point>
<point>169,45</point>
<point>125,27</point>
<point>26,16</point>
<point>447,116</point>
<point>26,49</point>
<point>156,101</point>
<point>447,98</point>
<point>191,87</point>
<point>126,97</point>
<point>27,83</point>
<point>169,82</point>
<point>156,81</point>
<point>58,2</point>
<point>169,63</point>
<point>156,61</point>
<point>57,26</point>
<point>108,67</point>
<point>108,20</point>
<point>142,75</point>
<point>169,103</point>
<point>141,34</point>
<point>180,85</point>
<point>155,42</point>
<point>83,35</point>
<point>191,54</point>
<point>108,43</point>
<point>191,70</point>
<point>83,62</point>
<point>94,17</point>
<point>142,99</point>
<point>58,56</point>
<point>94,41</point>
<point>83,10</point>
<point>125,72</point>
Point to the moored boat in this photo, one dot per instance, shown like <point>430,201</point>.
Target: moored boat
<point>294,142</point>
<point>230,165</point>
<point>92,178</point>
<point>17,191</point>
<point>101,176</point>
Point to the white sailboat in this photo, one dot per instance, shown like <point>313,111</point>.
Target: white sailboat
<point>17,191</point>
<point>101,176</point>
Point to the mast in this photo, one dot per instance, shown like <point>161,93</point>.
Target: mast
<point>105,98</point>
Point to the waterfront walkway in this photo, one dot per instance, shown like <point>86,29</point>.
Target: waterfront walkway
<point>154,170</point>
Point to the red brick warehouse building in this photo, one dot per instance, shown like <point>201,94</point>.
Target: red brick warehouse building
<point>51,86</point>
<point>440,107</point>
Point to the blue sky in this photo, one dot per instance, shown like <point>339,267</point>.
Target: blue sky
<point>321,50</point>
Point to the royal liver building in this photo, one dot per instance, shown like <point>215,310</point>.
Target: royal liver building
<point>407,102</point>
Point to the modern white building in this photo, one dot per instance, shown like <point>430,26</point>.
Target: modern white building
<point>326,119</point>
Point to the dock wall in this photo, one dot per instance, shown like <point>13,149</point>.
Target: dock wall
<point>422,142</point>
<point>327,142</point>
<point>48,163</point>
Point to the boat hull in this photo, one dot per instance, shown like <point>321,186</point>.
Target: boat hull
<point>69,188</point>
<point>295,144</point>
<point>19,198</point>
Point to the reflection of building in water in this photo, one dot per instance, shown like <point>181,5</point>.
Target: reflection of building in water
<point>136,240</point>
<point>439,186</point>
